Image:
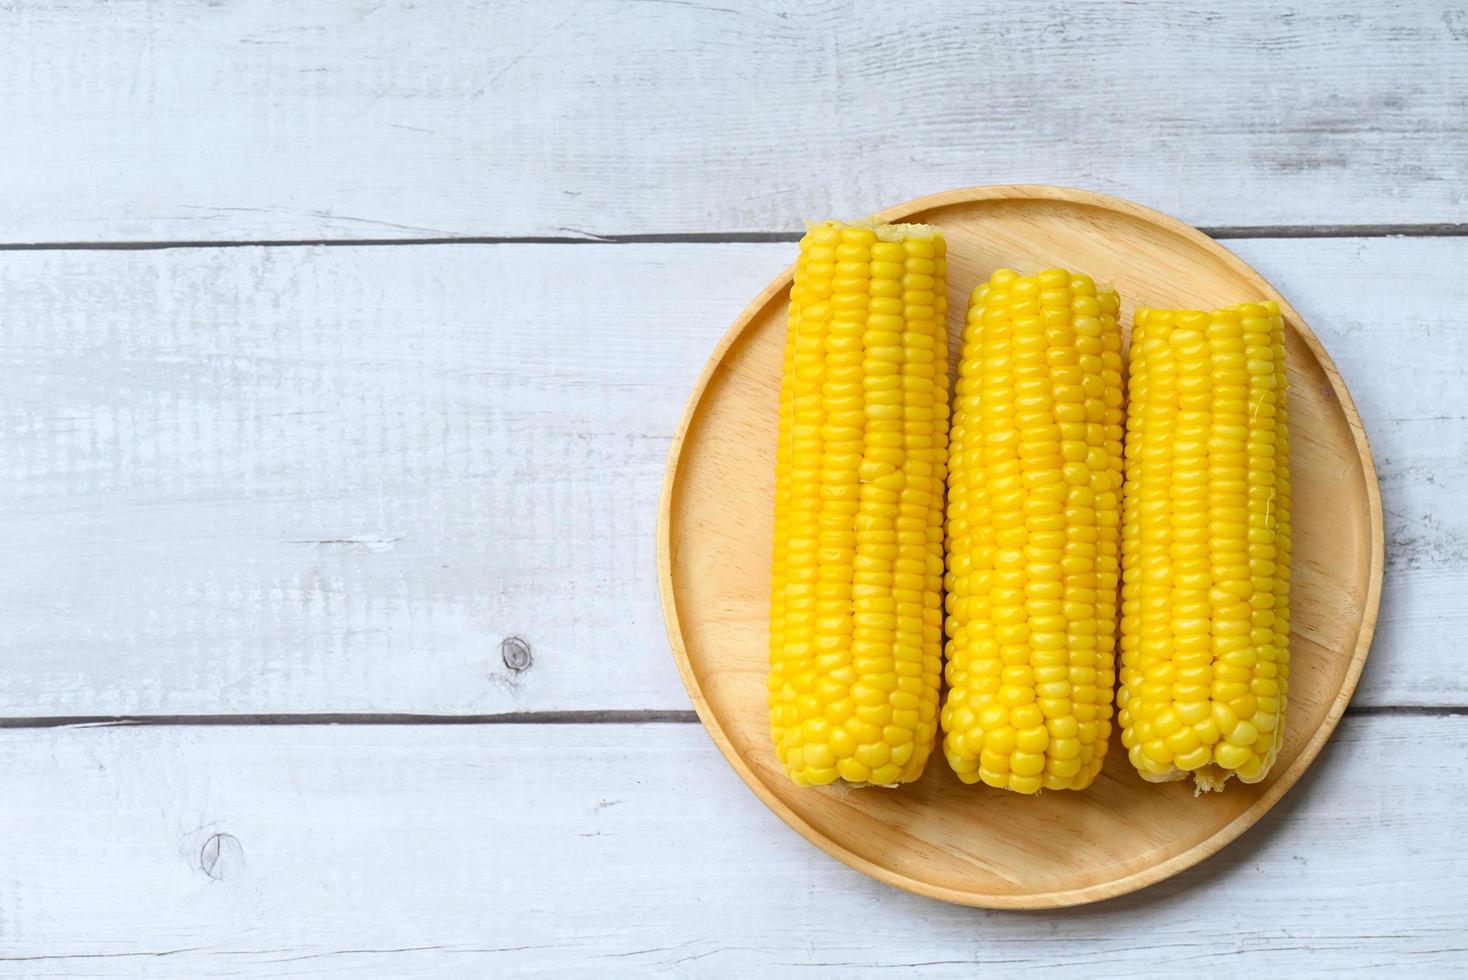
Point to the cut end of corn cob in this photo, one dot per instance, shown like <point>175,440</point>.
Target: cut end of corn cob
<point>892,233</point>
<point>1206,546</point>
<point>1034,511</point>
<point>855,610</point>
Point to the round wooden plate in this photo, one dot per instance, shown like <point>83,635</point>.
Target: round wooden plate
<point>937,836</point>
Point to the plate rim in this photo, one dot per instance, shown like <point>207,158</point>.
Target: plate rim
<point>1153,873</point>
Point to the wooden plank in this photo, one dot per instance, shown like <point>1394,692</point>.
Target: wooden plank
<point>339,479</point>
<point>358,118</point>
<point>1405,359</point>
<point>621,850</point>
<point>328,479</point>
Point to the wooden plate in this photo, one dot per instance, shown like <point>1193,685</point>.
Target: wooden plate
<point>937,836</point>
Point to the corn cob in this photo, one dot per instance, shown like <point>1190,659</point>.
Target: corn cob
<point>855,612</point>
<point>1206,546</point>
<point>1034,502</point>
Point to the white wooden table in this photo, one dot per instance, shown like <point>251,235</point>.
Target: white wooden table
<point>343,341</point>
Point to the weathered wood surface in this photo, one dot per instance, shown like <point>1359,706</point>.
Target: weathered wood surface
<point>296,481</point>
<point>571,851</point>
<point>364,119</point>
<point>304,480</point>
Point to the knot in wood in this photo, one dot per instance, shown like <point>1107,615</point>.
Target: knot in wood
<point>515,652</point>
<point>221,855</point>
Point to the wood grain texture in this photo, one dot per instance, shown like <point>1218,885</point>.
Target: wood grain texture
<point>288,480</point>
<point>325,118</point>
<point>579,851</point>
<point>936,836</point>
<point>1406,361</point>
<point>309,480</point>
<point>272,479</point>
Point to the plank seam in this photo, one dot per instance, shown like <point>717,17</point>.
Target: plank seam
<point>1439,230</point>
<point>593,717</point>
<point>586,717</point>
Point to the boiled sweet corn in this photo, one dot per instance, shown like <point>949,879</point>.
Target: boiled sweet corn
<point>1206,546</point>
<point>1034,509</point>
<point>856,618</point>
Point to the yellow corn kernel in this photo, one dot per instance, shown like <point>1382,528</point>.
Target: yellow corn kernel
<point>1034,496</point>
<point>1205,545</point>
<point>856,624</point>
